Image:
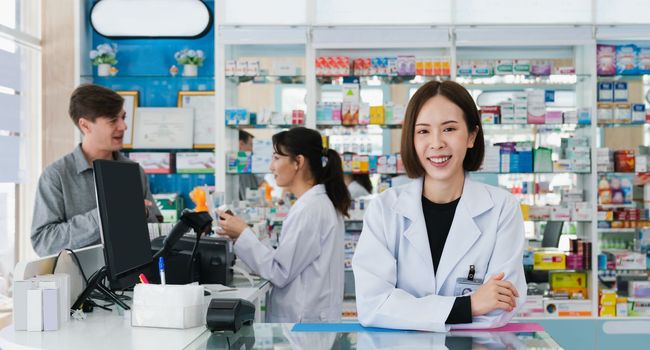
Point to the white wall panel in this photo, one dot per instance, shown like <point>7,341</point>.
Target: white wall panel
<point>383,12</point>
<point>265,12</point>
<point>523,12</point>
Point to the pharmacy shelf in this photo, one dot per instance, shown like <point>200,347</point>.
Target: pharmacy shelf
<point>268,79</point>
<point>376,80</point>
<point>630,77</point>
<point>534,173</point>
<point>616,206</point>
<point>616,230</point>
<point>119,76</point>
<point>620,125</point>
<point>263,126</point>
<point>383,126</point>
<point>168,150</point>
<point>502,126</point>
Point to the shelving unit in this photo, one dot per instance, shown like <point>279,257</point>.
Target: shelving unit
<point>279,85</point>
<point>622,247</point>
<point>573,90</point>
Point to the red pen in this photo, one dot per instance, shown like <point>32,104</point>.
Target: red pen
<point>143,278</point>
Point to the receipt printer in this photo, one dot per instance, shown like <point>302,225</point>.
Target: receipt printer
<point>229,314</point>
<point>214,259</point>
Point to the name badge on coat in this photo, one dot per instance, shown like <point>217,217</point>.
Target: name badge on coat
<point>469,285</point>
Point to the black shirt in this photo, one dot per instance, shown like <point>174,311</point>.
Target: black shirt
<point>438,219</point>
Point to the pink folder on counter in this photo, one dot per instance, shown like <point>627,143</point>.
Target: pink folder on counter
<point>510,327</point>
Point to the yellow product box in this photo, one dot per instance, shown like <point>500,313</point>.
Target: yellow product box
<point>549,260</point>
<point>377,115</point>
<point>524,211</point>
<point>360,164</point>
<point>607,311</point>
<point>608,298</point>
<point>571,282</point>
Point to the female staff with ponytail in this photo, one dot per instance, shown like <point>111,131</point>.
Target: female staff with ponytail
<point>306,269</point>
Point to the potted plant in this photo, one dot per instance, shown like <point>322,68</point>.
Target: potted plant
<point>190,59</point>
<point>104,57</point>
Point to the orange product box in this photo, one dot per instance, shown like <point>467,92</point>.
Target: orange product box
<point>445,68</point>
<point>428,67</point>
<point>420,67</point>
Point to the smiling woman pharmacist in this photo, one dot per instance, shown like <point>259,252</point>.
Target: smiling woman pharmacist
<point>441,251</point>
<point>307,268</point>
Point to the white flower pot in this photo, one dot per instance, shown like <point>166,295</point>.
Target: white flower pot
<point>190,70</point>
<point>104,70</point>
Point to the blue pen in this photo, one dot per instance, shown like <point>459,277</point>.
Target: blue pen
<point>161,268</point>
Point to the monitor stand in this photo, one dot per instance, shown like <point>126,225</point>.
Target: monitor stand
<point>95,283</point>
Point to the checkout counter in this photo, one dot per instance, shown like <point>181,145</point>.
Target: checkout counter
<point>112,329</point>
<point>349,337</point>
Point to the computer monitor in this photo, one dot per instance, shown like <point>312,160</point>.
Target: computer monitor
<point>552,233</point>
<point>122,220</point>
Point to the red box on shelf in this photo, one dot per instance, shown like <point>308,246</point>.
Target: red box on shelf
<point>624,161</point>
<point>297,117</point>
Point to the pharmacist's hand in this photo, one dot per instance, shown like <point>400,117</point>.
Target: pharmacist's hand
<point>231,225</point>
<point>494,294</point>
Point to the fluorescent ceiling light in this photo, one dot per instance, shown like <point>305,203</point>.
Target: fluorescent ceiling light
<point>150,18</point>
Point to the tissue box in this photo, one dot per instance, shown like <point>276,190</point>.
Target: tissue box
<point>170,306</point>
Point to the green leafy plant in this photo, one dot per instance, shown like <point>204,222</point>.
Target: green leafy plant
<point>105,54</point>
<point>187,56</point>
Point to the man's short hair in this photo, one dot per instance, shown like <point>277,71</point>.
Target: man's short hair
<point>244,136</point>
<point>90,102</point>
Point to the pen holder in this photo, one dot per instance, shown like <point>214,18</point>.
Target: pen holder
<point>169,306</point>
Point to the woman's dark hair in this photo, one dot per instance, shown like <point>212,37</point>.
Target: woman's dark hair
<point>363,180</point>
<point>457,94</point>
<point>324,163</point>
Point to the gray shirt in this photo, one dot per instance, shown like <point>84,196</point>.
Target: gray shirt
<point>65,214</point>
<point>247,181</point>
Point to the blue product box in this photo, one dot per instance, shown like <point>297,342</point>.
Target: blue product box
<point>644,62</point>
<point>526,161</point>
<point>372,164</point>
<point>584,116</point>
<point>627,60</point>
<point>606,91</point>
<point>620,91</point>
<point>242,116</point>
<point>231,118</point>
<point>521,162</point>
<point>638,113</point>
<point>528,258</point>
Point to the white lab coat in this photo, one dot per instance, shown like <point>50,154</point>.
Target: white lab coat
<point>357,191</point>
<point>395,283</point>
<point>306,269</point>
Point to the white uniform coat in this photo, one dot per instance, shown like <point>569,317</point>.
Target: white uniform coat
<point>395,283</point>
<point>306,269</point>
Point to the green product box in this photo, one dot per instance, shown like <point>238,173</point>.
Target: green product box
<point>542,160</point>
<point>170,205</point>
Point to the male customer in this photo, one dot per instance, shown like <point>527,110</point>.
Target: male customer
<point>246,180</point>
<point>65,214</point>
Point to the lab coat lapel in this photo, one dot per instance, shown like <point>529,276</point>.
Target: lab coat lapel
<point>464,232</point>
<point>409,205</point>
